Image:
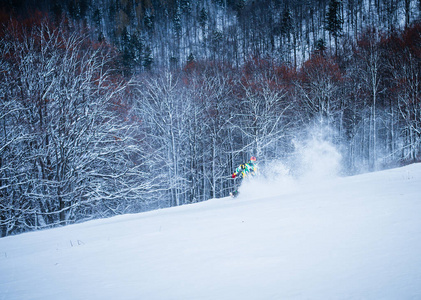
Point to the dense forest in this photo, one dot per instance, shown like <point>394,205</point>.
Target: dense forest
<point>121,106</point>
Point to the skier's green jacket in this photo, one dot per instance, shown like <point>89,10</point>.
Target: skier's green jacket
<point>245,169</point>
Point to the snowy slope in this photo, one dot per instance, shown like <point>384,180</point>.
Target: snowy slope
<point>346,238</point>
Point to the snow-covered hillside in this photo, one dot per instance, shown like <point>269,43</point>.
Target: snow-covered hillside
<point>345,238</point>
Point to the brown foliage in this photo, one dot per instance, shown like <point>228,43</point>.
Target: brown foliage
<point>320,67</point>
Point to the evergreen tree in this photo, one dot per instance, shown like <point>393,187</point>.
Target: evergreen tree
<point>320,46</point>
<point>147,58</point>
<point>190,59</point>
<point>177,22</point>
<point>97,17</point>
<point>334,20</point>
<point>286,23</point>
<point>148,20</point>
<point>203,17</point>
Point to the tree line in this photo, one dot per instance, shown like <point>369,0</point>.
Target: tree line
<point>151,34</point>
<point>81,139</point>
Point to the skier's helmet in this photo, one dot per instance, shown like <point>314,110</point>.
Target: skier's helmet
<point>253,158</point>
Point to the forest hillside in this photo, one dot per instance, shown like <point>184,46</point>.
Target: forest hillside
<point>122,106</point>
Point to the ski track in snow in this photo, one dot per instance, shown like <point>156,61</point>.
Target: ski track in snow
<point>356,237</point>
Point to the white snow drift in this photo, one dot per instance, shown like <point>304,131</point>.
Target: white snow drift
<point>345,238</point>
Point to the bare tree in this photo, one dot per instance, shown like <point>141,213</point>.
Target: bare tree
<point>74,153</point>
<point>161,105</point>
<point>319,90</point>
<point>369,73</point>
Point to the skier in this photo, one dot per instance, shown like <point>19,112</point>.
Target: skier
<point>242,171</point>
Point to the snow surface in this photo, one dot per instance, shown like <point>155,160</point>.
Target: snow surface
<point>344,238</point>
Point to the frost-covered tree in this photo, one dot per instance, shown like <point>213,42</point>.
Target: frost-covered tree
<point>67,150</point>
